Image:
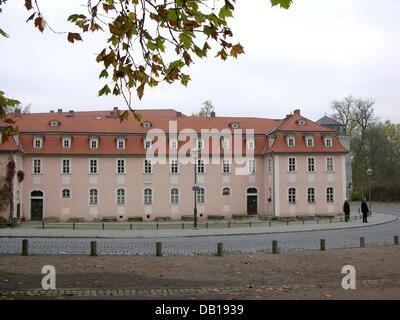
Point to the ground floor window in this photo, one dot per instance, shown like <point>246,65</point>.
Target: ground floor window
<point>93,197</point>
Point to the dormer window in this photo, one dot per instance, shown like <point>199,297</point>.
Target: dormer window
<point>250,144</point>
<point>37,142</point>
<point>291,142</point>
<point>173,144</point>
<point>234,125</point>
<point>270,142</point>
<point>66,142</point>
<point>121,143</point>
<point>54,123</point>
<point>146,124</point>
<point>301,122</point>
<point>147,144</point>
<point>309,142</point>
<point>94,143</point>
<point>200,144</point>
<point>328,142</point>
<point>225,143</point>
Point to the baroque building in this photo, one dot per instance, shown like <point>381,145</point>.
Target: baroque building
<point>91,165</point>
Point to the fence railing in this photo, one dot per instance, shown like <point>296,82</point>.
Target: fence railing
<point>187,225</point>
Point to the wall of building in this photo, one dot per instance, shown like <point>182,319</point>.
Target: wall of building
<point>134,181</point>
<point>302,180</point>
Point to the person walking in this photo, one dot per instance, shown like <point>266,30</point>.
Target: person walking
<point>364,210</point>
<point>346,210</point>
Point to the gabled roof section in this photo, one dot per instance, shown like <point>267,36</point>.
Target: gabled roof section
<point>325,120</point>
<point>291,124</point>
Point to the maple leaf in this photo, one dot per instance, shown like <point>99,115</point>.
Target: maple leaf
<point>40,23</point>
<point>123,116</point>
<point>236,50</point>
<point>28,4</point>
<point>74,36</point>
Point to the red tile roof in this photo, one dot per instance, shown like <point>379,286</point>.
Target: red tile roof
<point>106,125</point>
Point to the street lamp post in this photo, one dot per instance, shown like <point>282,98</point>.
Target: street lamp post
<point>195,188</point>
<point>369,174</point>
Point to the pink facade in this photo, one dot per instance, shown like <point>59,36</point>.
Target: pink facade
<point>74,180</point>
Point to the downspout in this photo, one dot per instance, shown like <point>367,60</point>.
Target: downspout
<point>12,191</point>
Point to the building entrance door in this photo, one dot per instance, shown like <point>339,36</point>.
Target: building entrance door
<point>36,205</point>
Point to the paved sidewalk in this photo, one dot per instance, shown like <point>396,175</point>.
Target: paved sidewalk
<point>35,231</point>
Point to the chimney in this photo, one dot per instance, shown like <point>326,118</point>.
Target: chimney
<point>71,113</point>
<point>116,112</point>
<point>51,111</point>
<point>212,114</point>
<point>297,111</point>
<point>59,110</point>
<point>17,113</point>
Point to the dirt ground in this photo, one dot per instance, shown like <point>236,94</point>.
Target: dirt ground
<point>306,274</point>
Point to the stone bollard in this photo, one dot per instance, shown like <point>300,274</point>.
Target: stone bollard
<point>323,245</point>
<point>25,245</point>
<point>93,248</point>
<point>220,249</point>
<point>362,242</point>
<point>396,240</point>
<point>158,249</point>
<point>275,246</point>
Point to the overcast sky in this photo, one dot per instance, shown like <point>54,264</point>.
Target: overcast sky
<point>304,57</point>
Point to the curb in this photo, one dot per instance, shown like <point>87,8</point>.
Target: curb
<point>218,232</point>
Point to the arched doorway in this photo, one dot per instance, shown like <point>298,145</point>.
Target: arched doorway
<point>36,205</point>
<point>252,201</point>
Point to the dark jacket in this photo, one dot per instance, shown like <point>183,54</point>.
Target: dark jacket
<point>364,207</point>
<point>346,207</point>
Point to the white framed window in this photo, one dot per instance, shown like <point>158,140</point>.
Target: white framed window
<point>291,142</point>
<point>311,164</point>
<point>65,166</point>
<point>94,143</point>
<point>173,144</point>
<point>120,166</point>
<point>200,144</point>
<point>226,166</point>
<point>292,195</point>
<point>309,142</point>
<point>120,197</point>
<point>93,197</point>
<point>121,144</point>
<point>270,142</point>
<point>226,192</point>
<point>292,164</point>
<point>37,142</point>
<point>173,166</point>
<point>328,142</point>
<point>251,165</point>
<point>201,195</point>
<point>147,144</point>
<point>250,144</point>
<point>225,144</point>
<point>66,142</point>
<point>311,195</point>
<point>66,193</point>
<point>200,166</point>
<point>330,195</point>
<point>36,166</point>
<point>93,166</point>
<point>147,196</point>
<point>147,166</point>
<point>330,165</point>
<point>174,195</point>
<point>269,165</point>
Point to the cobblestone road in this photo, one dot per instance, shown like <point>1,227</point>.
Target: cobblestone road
<point>374,235</point>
